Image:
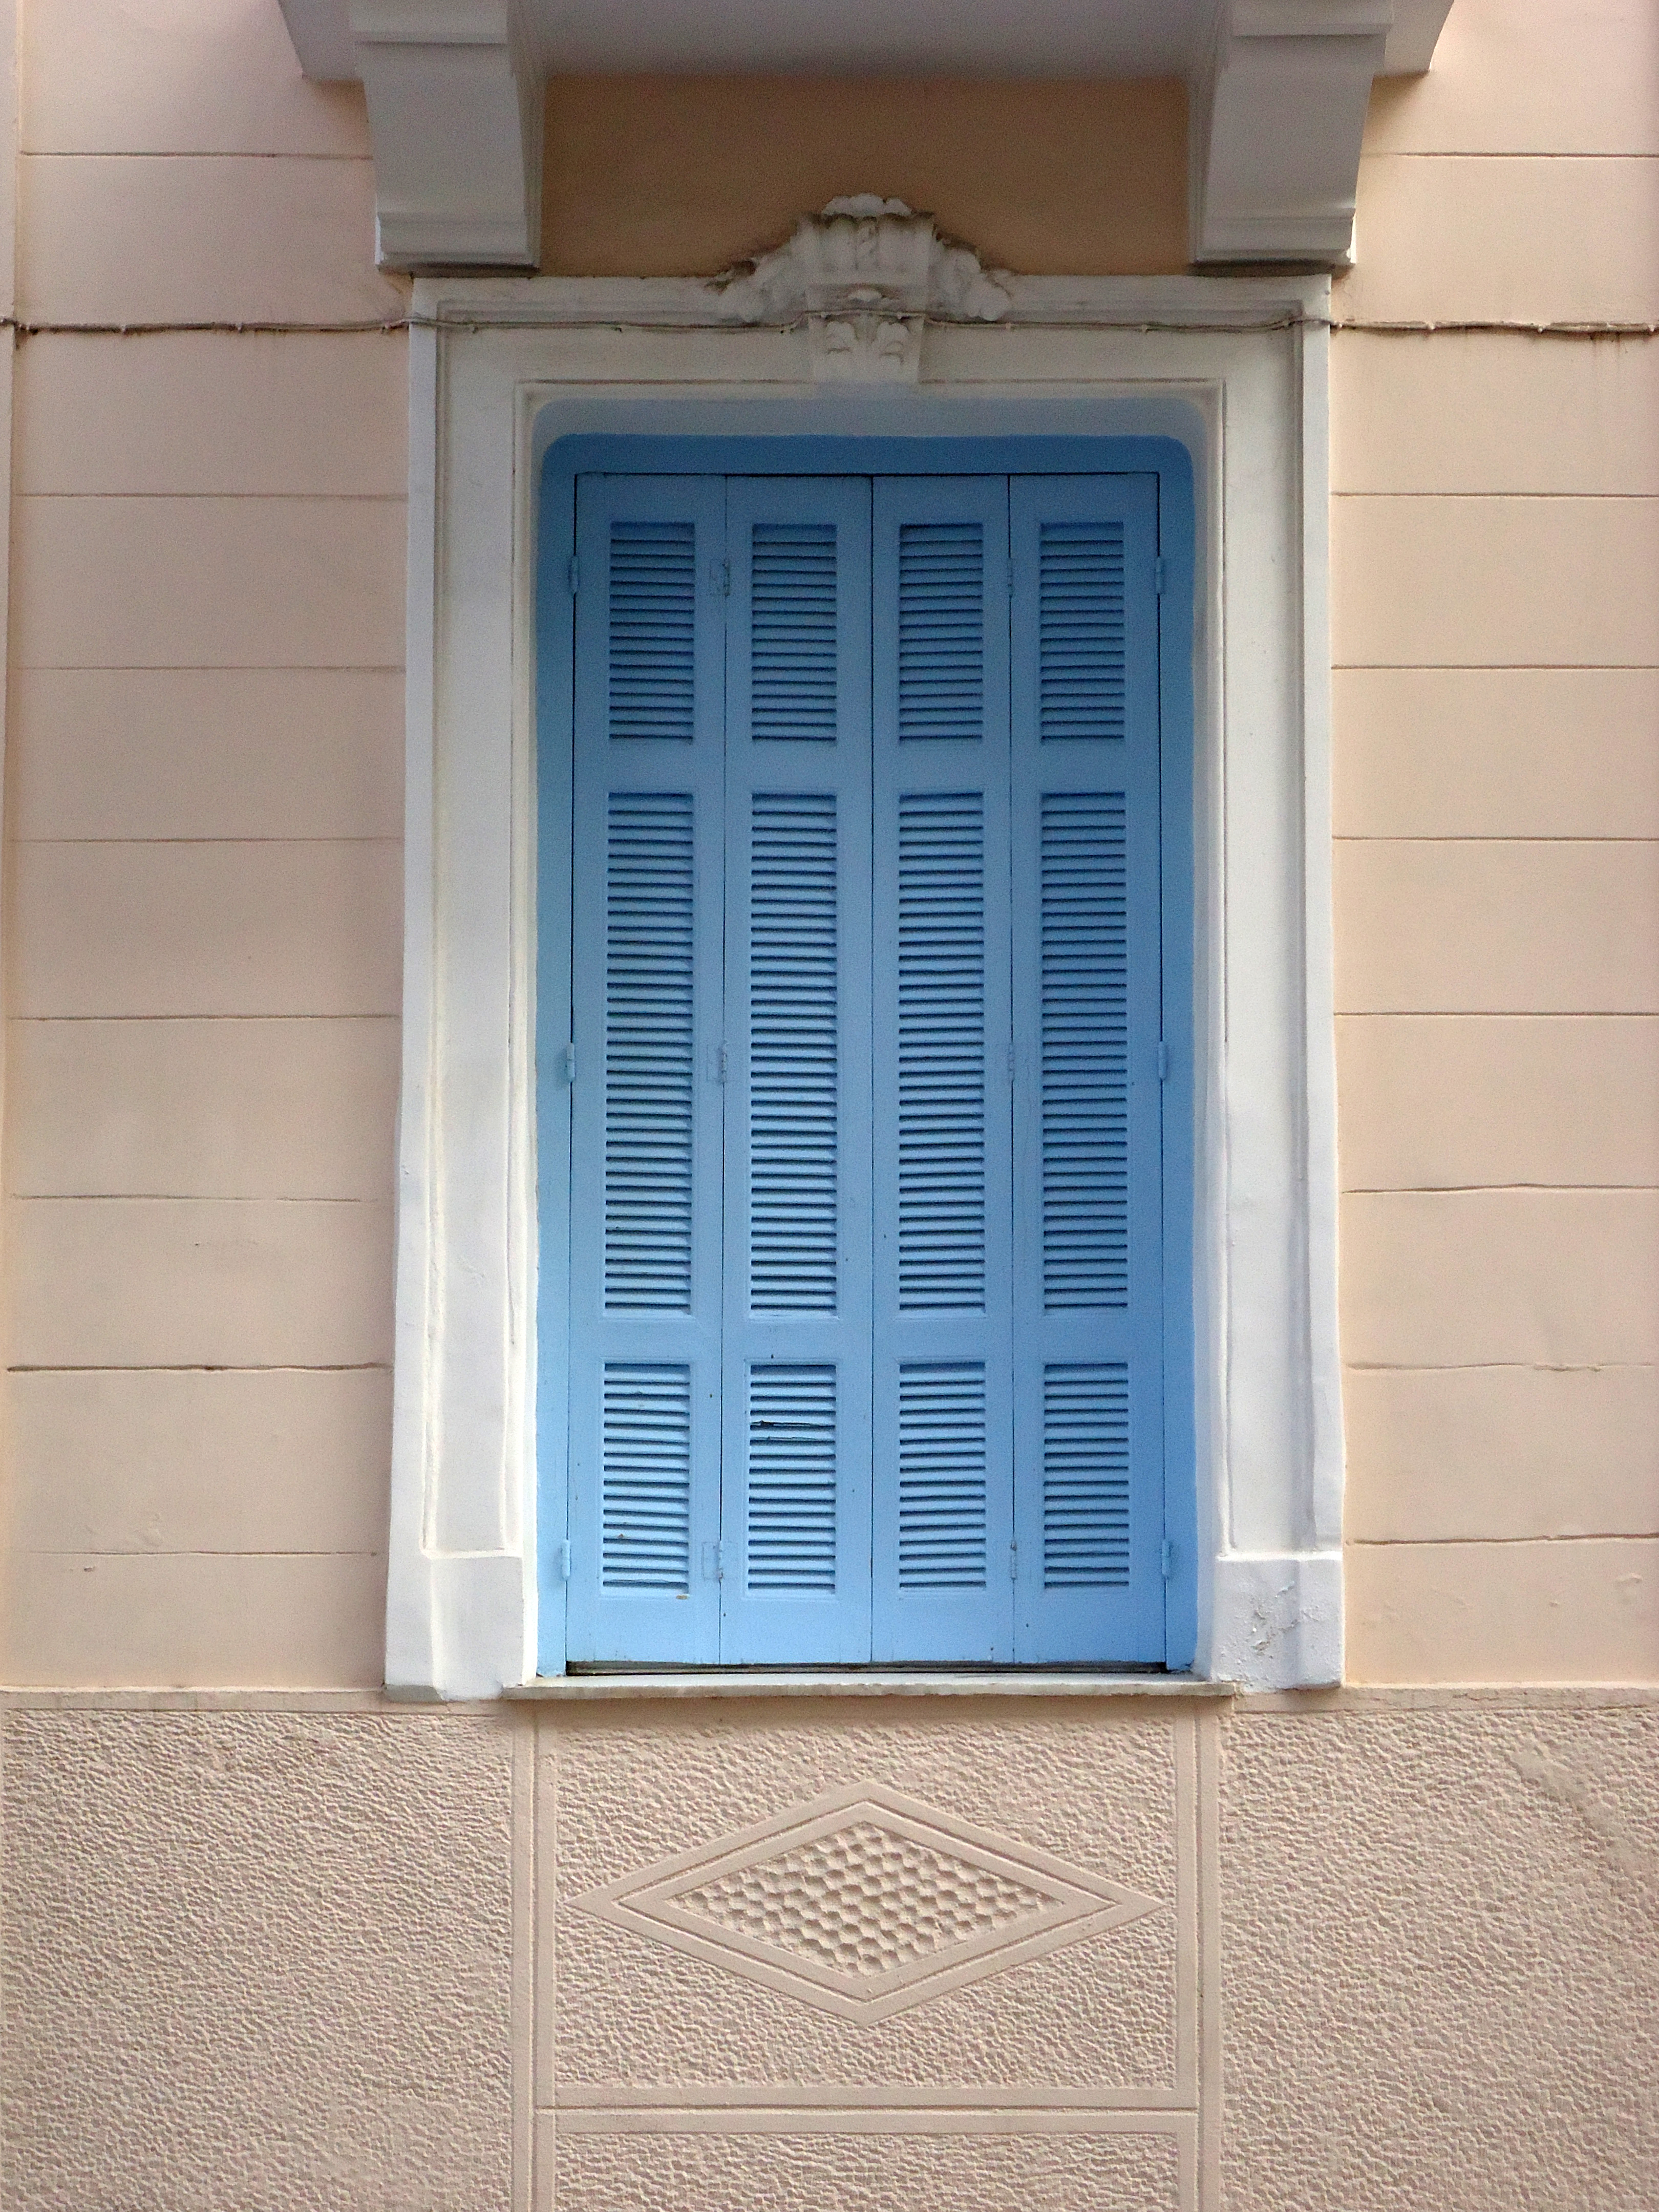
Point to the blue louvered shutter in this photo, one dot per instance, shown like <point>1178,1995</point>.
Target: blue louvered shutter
<point>796,1465</point>
<point>1088,1271</point>
<point>941,1348</point>
<point>645,1228</point>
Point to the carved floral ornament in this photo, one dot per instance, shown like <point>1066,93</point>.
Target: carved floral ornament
<point>865,275</point>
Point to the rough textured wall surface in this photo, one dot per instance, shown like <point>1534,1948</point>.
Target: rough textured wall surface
<point>870,2173</point>
<point>257,1960</point>
<point>1441,1960</point>
<point>286,1958</point>
<point>1496,628</point>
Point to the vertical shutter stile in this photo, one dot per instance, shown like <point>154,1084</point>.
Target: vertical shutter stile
<point>943,1473</point>
<point>796,1462</point>
<point>646,1184</point>
<point>1088,1272</point>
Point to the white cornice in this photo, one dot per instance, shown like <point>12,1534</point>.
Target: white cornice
<point>456,88</point>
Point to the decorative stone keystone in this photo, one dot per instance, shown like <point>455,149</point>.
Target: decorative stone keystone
<point>865,275</point>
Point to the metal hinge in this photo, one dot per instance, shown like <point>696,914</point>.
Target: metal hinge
<point>1012,1063</point>
<point>1013,1563</point>
<point>1162,1061</point>
<point>723,579</point>
<point>568,1063</point>
<point>561,1562</point>
<point>719,1064</point>
<point>714,1562</point>
<point>1166,1560</point>
<point>1157,575</point>
<point>575,576</point>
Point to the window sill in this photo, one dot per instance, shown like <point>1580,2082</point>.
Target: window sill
<point>807,1683</point>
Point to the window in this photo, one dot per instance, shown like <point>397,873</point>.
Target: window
<point>1217,387</point>
<point>874,1032</point>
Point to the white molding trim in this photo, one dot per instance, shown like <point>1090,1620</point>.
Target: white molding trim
<point>1237,368</point>
<point>456,93</point>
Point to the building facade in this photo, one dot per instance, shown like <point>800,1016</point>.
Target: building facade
<point>327,1882</point>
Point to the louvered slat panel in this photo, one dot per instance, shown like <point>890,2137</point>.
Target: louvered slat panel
<point>645,1478</point>
<point>941,1475</point>
<point>792,635</point>
<point>1085,1476</point>
<point>941,630</point>
<point>1084,1045</point>
<point>650,1052</point>
<point>1081,642</point>
<point>653,615</point>
<point>793,1053</point>
<point>790,1532</point>
<point>941,1051</point>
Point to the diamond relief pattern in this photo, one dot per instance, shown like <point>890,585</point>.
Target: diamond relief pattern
<point>866,1902</point>
<point>863,1900</point>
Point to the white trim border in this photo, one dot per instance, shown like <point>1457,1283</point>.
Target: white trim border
<point>1243,363</point>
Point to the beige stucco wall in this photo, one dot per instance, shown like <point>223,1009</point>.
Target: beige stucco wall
<point>203,804</point>
<point>203,872</point>
<point>290,1946</point>
<point>1496,536</point>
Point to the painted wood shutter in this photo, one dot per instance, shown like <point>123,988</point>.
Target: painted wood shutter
<point>1088,1266</point>
<point>866,1276</point>
<point>942,1350</point>
<point>645,1180</point>
<point>796,1562</point>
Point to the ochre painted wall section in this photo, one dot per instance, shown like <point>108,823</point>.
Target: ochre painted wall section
<point>650,176</point>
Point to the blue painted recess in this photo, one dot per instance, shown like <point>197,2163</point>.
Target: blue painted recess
<point>865,1317</point>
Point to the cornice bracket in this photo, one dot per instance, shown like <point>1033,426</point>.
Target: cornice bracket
<point>456,95</point>
<point>1275,128</point>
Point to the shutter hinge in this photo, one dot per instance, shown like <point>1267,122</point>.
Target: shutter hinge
<point>1166,1560</point>
<point>568,1064</point>
<point>1162,1061</point>
<point>720,1067</point>
<point>1013,1563</point>
<point>575,576</point>
<point>561,1562</point>
<point>723,579</point>
<point>1157,575</point>
<point>714,1562</point>
<point>1012,1064</point>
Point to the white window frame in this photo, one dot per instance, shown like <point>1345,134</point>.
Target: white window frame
<point>1237,367</point>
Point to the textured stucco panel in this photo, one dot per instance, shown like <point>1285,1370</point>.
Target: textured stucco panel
<point>1108,1798</point>
<point>256,1962</point>
<point>863,2173</point>
<point>1441,1939</point>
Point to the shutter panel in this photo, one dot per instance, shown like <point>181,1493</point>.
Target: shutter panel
<point>1088,1272</point>
<point>795,1485</point>
<point>646,1190</point>
<point>943,1415</point>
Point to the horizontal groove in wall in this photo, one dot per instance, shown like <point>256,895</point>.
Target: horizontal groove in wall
<point>194,1552</point>
<point>206,1367</point>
